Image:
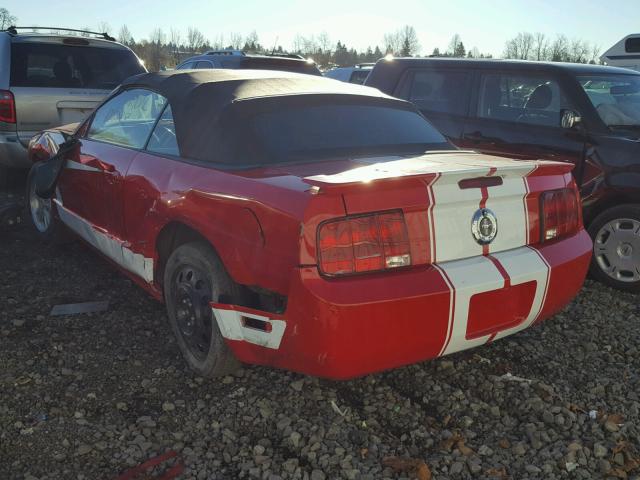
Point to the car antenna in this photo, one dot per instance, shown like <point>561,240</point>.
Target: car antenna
<point>274,46</point>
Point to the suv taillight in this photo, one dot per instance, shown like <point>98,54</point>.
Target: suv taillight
<point>561,214</point>
<point>364,243</point>
<point>7,107</point>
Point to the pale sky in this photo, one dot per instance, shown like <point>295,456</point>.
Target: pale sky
<point>483,24</point>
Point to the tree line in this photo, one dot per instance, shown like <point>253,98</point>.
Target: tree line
<point>165,49</point>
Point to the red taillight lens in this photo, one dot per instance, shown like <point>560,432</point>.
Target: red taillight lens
<point>365,243</point>
<point>560,213</point>
<point>7,107</point>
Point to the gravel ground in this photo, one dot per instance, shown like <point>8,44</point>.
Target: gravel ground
<point>89,396</point>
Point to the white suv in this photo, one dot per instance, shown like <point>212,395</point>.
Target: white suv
<point>48,79</point>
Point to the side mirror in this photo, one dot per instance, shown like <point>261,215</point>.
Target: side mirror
<point>570,119</point>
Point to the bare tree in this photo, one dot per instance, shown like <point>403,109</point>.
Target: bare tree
<point>579,51</point>
<point>124,35</point>
<point>156,51</point>
<point>392,43</point>
<point>520,47</point>
<point>195,39</point>
<point>595,54</point>
<point>104,27</point>
<point>6,19</point>
<point>324,42</point>
<point>456,47</point>
<point>559,50</point>
<point>409,41</point>
<point>175,39</point>
<point>540,46</point>
<point>403,42</point>
<point>235,41</point>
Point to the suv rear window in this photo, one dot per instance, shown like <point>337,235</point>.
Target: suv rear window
<point>65,66</point>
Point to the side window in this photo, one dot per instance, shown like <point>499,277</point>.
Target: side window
<point>128,118</point>
<point>204,64</point>
<point>163,138</point>
<point>535,100</point>
<point>632,45</point>
<point>440,91</point>
<point>185,66</point>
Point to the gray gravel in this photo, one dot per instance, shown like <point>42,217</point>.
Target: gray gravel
<point>89,396</point>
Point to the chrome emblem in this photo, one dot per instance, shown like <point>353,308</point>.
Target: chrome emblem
<point>484,226</point>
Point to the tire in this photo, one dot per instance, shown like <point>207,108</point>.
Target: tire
<point>40,214</point>
<point>194,276</point>
<point>616,247</point>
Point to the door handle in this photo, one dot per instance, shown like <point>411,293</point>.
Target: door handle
<point>100,165</point>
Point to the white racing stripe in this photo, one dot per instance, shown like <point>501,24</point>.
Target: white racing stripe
<point>106,244</point>
<point>232,328</point>
<point>469,277</point>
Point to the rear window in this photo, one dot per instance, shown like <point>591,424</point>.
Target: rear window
<point>299,133</point>
<point>65,66</point>
<point>359,76</point>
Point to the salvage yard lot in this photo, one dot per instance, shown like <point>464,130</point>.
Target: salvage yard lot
<point>88,396</point>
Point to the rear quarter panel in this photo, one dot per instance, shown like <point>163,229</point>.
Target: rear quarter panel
<point>253,223</point>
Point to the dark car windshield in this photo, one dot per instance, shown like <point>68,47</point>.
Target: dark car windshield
<point>70,66</point>
<point>317,132</point>
<point>615,97</point>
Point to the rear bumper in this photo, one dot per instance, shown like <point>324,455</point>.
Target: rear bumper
<point>354,326</point>
<point>12,153</point>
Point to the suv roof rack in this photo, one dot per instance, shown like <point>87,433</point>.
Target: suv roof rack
<point>238,53</point>
<point>13,30</point>
<point>366,64</point>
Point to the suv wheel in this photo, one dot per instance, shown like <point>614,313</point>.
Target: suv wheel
<point>616,247</point>
<point>193,277</point>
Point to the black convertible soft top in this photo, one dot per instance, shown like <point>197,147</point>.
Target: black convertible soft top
<point>199,99</point>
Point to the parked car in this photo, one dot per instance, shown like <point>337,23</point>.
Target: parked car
<point>302,223</point>
<point>49,79</point>
<point>356,74</point>
<point>585,115</point>
<point>237,59</point>
<point>624,54</point>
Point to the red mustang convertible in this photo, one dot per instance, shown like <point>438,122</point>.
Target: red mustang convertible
<point>308,224</point>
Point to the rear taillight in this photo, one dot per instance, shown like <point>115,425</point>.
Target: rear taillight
<point>561,214</point>
<point>7,107</point>
<point>365,243</point>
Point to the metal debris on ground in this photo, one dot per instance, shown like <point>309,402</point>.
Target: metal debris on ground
<point>76,308</point>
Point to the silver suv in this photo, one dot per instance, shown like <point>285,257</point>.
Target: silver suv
<point>47,80</point>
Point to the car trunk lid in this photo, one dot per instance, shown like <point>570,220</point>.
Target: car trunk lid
<point>441,193</point>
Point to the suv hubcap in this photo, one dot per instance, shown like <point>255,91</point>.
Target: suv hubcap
<point>40,209</point>
<point>617,249</point>
<point>193,315</point>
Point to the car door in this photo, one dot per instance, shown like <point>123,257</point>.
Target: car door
<point>91,186</point>
<point>441,94</point>
<point>519,115</point>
